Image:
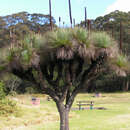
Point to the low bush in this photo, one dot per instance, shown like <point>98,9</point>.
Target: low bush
<point>7,106</point>
<point>12,83</point>
<point>2,90</point>
<point>30,90</point>
<point>12,93</point>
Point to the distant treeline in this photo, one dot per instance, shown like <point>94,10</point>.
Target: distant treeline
<point>15,26</point>
<point>112,23</point>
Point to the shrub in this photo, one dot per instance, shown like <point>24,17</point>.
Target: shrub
<point>2,90</point>
<point>12,93</point>
<point>30,90</point>
<point>7,106</point>
<point>2,68</point>
<point>121,61</point>
<point>11,83</point>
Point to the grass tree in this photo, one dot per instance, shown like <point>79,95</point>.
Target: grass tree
<point>64,62</point>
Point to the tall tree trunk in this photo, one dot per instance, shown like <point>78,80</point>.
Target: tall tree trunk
<point>50,15</point>
<point>66,120</point>
<point>64,116</point>
<point>126,86</point>
<point>70,13</point>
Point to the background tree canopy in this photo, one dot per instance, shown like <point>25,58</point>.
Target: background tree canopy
<point>111,24</point>
<point>18,25</point>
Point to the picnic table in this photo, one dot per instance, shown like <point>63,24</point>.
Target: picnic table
<point>80,104</point>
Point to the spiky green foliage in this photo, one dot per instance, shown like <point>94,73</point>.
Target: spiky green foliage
<point>101,40</point>
<point>2,90</point>
<point>82,36</point>
<point>12,53</point>
<point>59,38</point>
<point>69,42</point>
<point>65,37</point>
<point>25,50</point>
<point>64,44</point>
<point>121,61</point>
<point>32,40</point>
<point>25,55</point>
<point>21,54</point>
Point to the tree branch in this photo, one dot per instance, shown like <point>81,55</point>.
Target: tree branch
<point>92,70</point>
<point>80,66</point>
<point>67,83</point>
<point>47,90</point>
<point>24,75</point>
<point>88,75</point>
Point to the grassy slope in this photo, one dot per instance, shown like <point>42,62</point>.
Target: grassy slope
<point>45,116</point>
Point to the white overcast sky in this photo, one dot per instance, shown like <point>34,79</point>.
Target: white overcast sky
<point>122,5</point>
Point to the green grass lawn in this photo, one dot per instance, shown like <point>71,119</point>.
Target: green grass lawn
<point>45,116</point>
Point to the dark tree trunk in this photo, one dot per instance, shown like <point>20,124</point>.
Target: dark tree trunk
<point>126,86</point>
<point>64,116</point>
<point>70,13</point>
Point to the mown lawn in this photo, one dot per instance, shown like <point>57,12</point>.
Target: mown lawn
<point>45,116</point>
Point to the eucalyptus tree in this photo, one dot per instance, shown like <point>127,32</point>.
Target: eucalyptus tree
<point>23,23</point>
<point>111,23</point>
<point>63,62</point>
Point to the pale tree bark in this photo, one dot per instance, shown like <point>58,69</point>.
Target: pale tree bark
<point>64,116</point>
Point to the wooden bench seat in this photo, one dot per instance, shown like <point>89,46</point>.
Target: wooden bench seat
<point>85,103</point>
